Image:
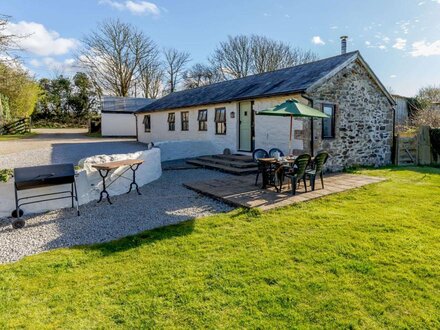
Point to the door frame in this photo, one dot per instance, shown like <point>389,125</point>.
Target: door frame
<point>252,127</point>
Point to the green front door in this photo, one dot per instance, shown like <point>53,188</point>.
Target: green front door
<point>245,118</point>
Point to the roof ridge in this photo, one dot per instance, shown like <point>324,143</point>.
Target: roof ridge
<point>263,73</point>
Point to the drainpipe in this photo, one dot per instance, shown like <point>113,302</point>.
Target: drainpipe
<point>136,119</point>
<point>393,147</point>
<point>312,144</point>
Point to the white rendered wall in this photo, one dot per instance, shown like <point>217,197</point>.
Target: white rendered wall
<point>117,124</point>
<point>180,144</point>
<point>88,182</point>
<point>273,132</point>
<point>269,131</point>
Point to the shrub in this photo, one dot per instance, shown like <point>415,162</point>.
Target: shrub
<point>5,175</point>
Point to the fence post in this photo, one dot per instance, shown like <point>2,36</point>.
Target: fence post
<point>424,146</point>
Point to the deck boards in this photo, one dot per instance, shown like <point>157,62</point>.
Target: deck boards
<point>241,191</point>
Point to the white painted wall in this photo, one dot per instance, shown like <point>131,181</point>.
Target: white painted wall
<point>118,124</point>
<point>88,181</point>
<point>273,132</point>
<point>269,131</point>
<point>193,142</point>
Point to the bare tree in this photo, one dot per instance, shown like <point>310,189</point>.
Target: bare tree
<point>175,61</point>
<point>201,75</point>
<point>234,57</point>
<point>151,77</point>
<point>242,55</point>
<point>269,55</point>
<point>112,55</point>
<point>8,43</point>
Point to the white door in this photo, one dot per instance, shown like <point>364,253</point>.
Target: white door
<point>245,126</point>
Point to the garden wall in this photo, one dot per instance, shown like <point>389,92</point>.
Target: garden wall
<point>89,183</point>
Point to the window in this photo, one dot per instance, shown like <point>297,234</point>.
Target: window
<point>203,120</point>
<point>171,121</point>
<point>220,121</point>
<point>328,124</point>
<point>147,123</point>
<point>185,120</point>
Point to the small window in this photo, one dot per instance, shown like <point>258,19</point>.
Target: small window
<point>185,120</point>
<point>220,121</point>
<point>171,121</point>
<point>147,123</point>
<point>203,120</point>
<point>328,124</point>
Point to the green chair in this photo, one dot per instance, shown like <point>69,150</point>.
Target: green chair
<point>298,172</point>
<point>318,167</point>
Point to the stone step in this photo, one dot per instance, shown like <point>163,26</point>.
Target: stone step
<point>232,163</point>
<point>223,168</point>
<point>235,157</point>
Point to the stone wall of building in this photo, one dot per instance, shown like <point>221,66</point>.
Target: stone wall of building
<point>364,120</point>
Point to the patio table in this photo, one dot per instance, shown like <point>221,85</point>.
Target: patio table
<point>272,167</point>
<point>105,168</point>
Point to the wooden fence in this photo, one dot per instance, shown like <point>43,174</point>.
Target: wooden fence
<point>415,149</point>
<point>21,126</point>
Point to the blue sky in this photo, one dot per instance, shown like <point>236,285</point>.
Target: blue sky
<point>400,39</point>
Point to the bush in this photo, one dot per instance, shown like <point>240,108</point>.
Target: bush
<point>427,117</point>
<point>5,175</point>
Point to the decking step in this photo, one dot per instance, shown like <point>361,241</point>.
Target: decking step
<point>232,163</point>
<point>223,168</point>
<point>235,157</point>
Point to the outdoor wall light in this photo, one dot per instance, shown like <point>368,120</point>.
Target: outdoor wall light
<point>232,114</point>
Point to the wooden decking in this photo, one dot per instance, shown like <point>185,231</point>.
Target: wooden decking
<point>241,191</point>
<point>234,164</point>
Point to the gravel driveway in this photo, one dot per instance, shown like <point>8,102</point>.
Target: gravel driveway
<point>163,202</point>
<point>55,146</point>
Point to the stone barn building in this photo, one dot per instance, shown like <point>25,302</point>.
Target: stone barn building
<point>208,119</point>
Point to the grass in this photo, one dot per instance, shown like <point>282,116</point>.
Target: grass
<point>94,135</point>
<point>16,136</point>
<point>368,258</point>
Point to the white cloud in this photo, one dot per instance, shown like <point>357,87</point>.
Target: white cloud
<point>38,40</point>
<point>317,40</point>
<point>382,47</point>
<point>67,66</point>
<point>334,27</point>
<point>393,76</point>
<point>367,43</point>
<point>423,48</point>
<point>400,43</point>
<point>34,62</point>
<point>134,7</point>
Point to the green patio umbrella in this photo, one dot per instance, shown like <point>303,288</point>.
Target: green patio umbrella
<point>292,108</point>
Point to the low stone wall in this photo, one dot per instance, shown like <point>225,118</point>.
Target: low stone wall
<point>88,181</point>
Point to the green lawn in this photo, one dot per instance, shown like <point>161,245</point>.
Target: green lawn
<point>16,136</point>
<point>368,259</point>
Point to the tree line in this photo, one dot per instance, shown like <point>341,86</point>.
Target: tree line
<point>123,60</point>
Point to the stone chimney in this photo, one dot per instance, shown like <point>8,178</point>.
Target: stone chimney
<point>344,44</point>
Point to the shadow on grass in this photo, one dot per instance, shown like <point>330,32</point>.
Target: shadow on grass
<point>393,168</point>
<point>146,237</point>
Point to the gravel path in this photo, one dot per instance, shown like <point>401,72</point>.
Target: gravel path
<point>162,203</point>
<point>61,146</point>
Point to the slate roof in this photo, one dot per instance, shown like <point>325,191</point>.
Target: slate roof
<point>114,104</point>
<point>279,82</point>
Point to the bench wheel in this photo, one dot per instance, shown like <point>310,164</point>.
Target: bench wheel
<point>14,213</point>
<point>17,224</point>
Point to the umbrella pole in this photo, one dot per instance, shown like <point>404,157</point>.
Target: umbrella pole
<point>290,138</point>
